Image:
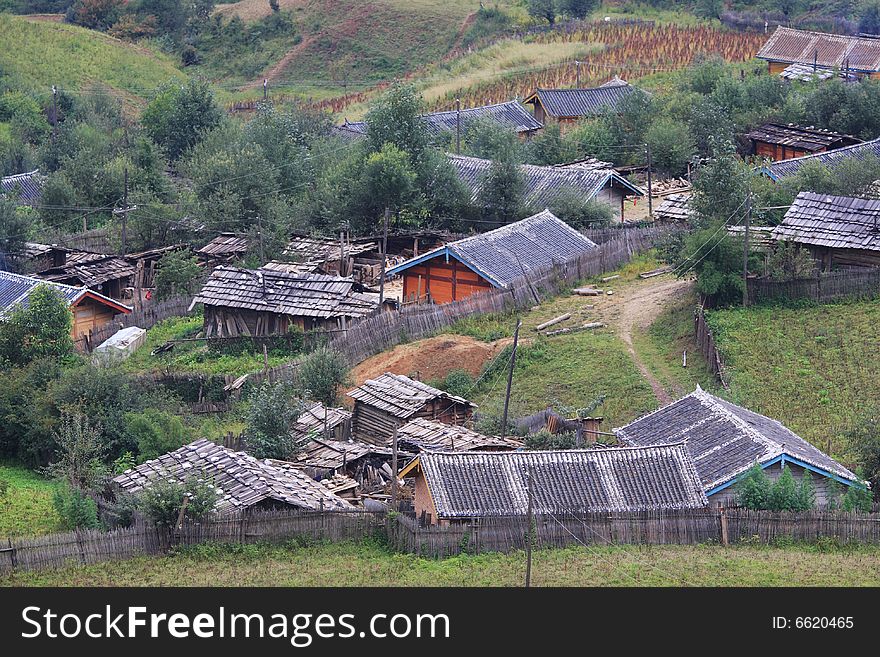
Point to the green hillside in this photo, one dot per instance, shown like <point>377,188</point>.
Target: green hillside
<point>37,54</point>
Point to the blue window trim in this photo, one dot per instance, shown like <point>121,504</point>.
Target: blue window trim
<point>783,459</point>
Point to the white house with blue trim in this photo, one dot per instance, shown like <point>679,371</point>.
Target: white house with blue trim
<point>725,440</point>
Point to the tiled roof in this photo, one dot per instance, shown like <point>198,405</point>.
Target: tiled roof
<point>282,293</point>
<point>423,435</point>
<point>724,439</point>
<point>827,50</point>
<point>543,184</point>
<point>803,138</point>
<point>400,395</point>
<point>474,484</point>
<point>242,480</point>
<point>595,101</point>
<point>330,454</point>
<point>783,168</point>
<point>15,290</point>
<point>505,254</point>
<point>27,187</point>
<point>511,115</point>
<point>838,222</point>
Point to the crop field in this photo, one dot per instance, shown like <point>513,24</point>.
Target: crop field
<point>371,564</point>
<point>26,508</point>
<point>814,368</point>
<point>38,54</point>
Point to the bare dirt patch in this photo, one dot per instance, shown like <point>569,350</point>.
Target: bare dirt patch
<point>432,358</point>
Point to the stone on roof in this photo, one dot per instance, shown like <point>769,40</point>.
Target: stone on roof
<point>830,51</point>
<point>806,138</point>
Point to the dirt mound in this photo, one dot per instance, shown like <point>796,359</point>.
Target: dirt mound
<point>430,359</point>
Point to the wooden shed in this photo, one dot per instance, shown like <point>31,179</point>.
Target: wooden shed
<point>821,51</point>
<point>780,169</point>
<point>110,275</point>
<point>383,404</point>
<point>779,141</point>
<point>726,440</point>
<point>90,310</point>
<point>224,249</point>
<point>493,259</point>
<point>568,106</point>
<point>259,302</point>
<point>839,231</point>
<point>463,486</point>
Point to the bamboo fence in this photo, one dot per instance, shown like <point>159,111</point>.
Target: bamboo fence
<point>823,288</point>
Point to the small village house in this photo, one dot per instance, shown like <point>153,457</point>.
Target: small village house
<point>839,231</point>
<point>820,51</point>
<point>316,420</point>
<point>778,141</point>
<point>780,169</point>
<point>243,483</point>
<point>110,275</point>
<point>224,249</point>
<point>387,402</point>
<point>464,486</point>
<point>25,188</point>
<point>568,106</point>
<point>306,254</point>
<point>424,435</point>
<point>494,259</point>
<point>544,185</point>
<point>259,302</point>
<point>726,440</point>
<point>90,309</point>
<point>510,116</point>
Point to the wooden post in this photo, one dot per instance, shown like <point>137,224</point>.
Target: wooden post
<point>746,251</point>
<point>265,360</point>
<point>394,471</point>
<point>725,539</point>
<point>529,531</point>
<point>510,378</point>
<point>384,257</point>
<point>650,201</point>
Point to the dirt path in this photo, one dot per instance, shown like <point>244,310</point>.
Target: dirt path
<point>637,307</point>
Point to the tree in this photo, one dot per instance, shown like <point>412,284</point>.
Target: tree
<point>389,178</point>
<point>14,227</point>
<point>179,116</point>
<point>869,20</point>
<point>573,209</point>
<point>162,501</point>
<point>156,432</point>
<point>709,8</point>
<point>864,439</point>
<point>716,258</point>
<point>322,373</point>
<point>550,147</point>
<point>784,492</point>
<point>273,409</point>
<point>721,186</point>
<point>789,262</point>
<point>40,329</point>
<point>395,119</point>
<point>503,187</point>
<point>671,146</point>
<point>79,454</point>
<point>578,8</point>
<point>95,14</point>
<point>178,273</point>
<point>543,9</point>
<point>753,489</point>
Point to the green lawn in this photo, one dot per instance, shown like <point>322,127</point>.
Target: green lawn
<point>368,564</point>
<point>38,54</point>
<point>814,368</point>
<point>27,507</point>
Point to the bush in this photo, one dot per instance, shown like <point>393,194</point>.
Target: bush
<point>458,382</point>
<point>790,262</point>
<point>322,373</point>
<point>162,501</point>
<point>156,432</point>
<point>546,440</point>
<point>272,411</point>
<point>756,491</point>
<point>76,509</point>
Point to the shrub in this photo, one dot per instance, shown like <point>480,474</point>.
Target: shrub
<point>753,490</point>
<point>458,382</point>
<point>272,411</point>
<point>76,509</point>
<point>789,262</point>
<point>162,501</point>
<point>546,440</point>
<point>322,372</point>
<point>156,432</point>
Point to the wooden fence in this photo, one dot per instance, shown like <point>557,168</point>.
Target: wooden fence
<point>681,527</point>
<point>144,317</point>
<point>706,344</point>
<point>95,546</point>
<point>823,288</point>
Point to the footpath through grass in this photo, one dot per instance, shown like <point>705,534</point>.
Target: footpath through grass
<point>370,564</point>
<point>813,368</point>
<point>27,508</point>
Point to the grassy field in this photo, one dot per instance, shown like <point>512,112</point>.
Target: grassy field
<point>368,564</point>
<point>192,356</point>
<point>38,54</point>
<point>814,368</point>
<point>27,507</point>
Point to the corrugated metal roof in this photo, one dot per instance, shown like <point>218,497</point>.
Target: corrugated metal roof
<point>837,222</point>
<point>783,168</point>
<point>724,439</point>
<point>511,115</point>
<point>543,184</point>
<point>283,293</point>
<point>400,395</point>
<point>15,290</point>
<point>594,101</point>
<point>827,50</point>
<point>505,254</point>
<point>424,435</point>
<point>477,484</point>
<point>26,187</point>
<point>807,138</point>
<point>241,479</point>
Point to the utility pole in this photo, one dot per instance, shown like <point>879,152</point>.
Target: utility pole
<point>458,126</point>
<point>529,531</point>
<point>384,254</point>
<point>746,250</point>
<point>123,212</point>
<point>265,89</point>
<point>54,113</point>
<point>260,236</point>
<point>394,471</point>
<point>510,378</point>
<point>342,267</point>
<point>577,67</point>
<point>650,202</point>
